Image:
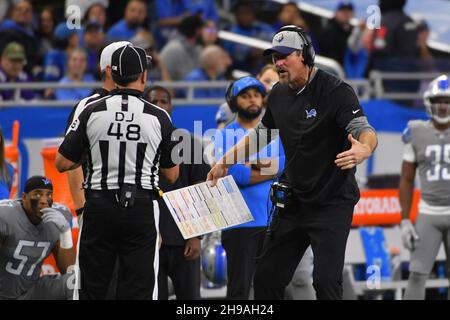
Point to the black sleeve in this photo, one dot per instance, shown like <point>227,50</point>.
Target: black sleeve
<point>197,171</point>
<point>347,105</point>
<point>75,142</point>
<point>166,144</point>
<point>267,119</point>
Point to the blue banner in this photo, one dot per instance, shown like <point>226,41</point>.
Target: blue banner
<point>44,122</point>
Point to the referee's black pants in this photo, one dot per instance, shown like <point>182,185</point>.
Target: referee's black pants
<point>326,229</point>
<point>110,231</point>
<point>242,246</point>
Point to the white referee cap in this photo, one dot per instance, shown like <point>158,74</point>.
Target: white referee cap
<point>105,57</point>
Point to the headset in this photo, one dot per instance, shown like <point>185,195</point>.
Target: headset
<point>239,85</point>
<point>308,51</point>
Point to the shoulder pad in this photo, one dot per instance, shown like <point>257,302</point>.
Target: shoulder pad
<point>7,203</point>
<point>407,135</point>
<point>417,123</point>
<point>412,125</point>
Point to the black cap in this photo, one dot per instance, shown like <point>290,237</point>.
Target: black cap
<point>129,60</point>
<point>38,182</point>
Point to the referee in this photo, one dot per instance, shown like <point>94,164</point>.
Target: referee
<point>127,143</point>
<point>76,177</point>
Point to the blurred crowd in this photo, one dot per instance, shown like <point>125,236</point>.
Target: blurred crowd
<point>46,43</point>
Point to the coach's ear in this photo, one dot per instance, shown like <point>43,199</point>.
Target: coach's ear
<point>144,77</point>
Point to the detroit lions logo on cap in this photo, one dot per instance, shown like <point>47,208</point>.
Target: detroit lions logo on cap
<point>311,113</point>
<point>46,181</point>
<point>279,37</point>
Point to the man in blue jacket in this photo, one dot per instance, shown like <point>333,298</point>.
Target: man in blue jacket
<point>244,242</point>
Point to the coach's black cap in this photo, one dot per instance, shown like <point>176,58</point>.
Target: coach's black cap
<point>129,60</point>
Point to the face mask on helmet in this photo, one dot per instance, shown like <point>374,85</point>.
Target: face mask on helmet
<point>437,100</point>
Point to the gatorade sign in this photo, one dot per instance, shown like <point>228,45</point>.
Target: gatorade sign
<point>381,207</point>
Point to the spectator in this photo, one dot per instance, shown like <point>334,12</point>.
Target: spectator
<point>47,24</point>
<point>290,15</point>
<point>356,55</point>
<point>206,8</point>
<point>268,76</point>
<point>244,57</point>
<point>96,12</point>
<point>208,12</point>
<point>210,33</point>
<point>333,40</point>
<point>93,43</point>
<point>181,53</point>
<point>85,5</point>
<point>394,46</point>
<point>19,29</point>
<point>397,36</point>
<point>13,61</point>
<point>425,55</point>
<point>65,40</point>
<point>214,62</point>
<point>76,68</point>
<point>169,15</point>
<point>6,171</point>
<point>125,29</point>
<point>427,62</point>
<point>158,71</point>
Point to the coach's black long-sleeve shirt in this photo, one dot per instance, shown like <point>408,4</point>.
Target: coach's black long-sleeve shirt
<point>312,126</point>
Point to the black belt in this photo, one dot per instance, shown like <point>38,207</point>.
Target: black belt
<point>101,194</point>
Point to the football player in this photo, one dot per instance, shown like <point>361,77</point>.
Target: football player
<point>31,228</point>
<point>427,149</point>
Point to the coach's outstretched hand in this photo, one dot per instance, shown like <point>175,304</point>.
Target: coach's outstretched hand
<point>219,170</point>
<point>354,156</point>
<point>56,217</point>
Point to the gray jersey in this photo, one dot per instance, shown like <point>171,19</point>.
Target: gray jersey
<point>431,153</point>
<point>23,247</point>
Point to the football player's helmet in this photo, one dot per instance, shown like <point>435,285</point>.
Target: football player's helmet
<point>214,262</point>
<point>437,99</point>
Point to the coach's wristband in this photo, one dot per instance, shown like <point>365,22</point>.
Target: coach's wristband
<point>65,240</point>
<point>79,211</point>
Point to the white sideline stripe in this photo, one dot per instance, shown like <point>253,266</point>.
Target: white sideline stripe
<point>156,256</point>
<point>76,296</point>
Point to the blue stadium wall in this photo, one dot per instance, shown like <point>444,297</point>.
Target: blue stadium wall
<point>39,123</point>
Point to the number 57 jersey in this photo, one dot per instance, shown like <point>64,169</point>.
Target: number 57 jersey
<point>23,248</point>
<point>429,148</point>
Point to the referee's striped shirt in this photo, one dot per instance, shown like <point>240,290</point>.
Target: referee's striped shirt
<point>79,107</point>
<point>125,140</point>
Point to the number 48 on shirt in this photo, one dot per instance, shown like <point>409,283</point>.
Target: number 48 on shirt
<point>131,131</point>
